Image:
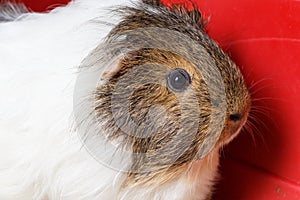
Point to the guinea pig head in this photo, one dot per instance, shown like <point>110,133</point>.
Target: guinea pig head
<point>167,92</point>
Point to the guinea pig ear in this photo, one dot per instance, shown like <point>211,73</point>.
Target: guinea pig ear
<point>112,69</point>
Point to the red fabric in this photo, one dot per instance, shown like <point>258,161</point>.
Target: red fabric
<point>263,38</point>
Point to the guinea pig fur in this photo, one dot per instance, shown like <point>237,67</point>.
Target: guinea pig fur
<point>113,100</point>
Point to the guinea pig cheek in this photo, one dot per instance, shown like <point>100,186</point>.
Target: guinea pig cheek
<point>203,170</point>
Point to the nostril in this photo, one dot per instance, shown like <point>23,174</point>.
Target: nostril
<point>235,117</point>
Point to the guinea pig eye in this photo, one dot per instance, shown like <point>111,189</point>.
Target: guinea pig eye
<point>178,80</point>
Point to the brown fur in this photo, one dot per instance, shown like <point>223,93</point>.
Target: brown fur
<point>162,149</point>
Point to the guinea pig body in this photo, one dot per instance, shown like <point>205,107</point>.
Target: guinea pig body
<point>153,138</point>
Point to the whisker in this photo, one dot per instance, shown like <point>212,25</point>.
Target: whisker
<point>222,151</point>
<point>258,90</point>
<point>255,113</point>
<point>249,130</point>
<point>254,123</point>
<point>255,129</point>
<point>260,99</point>
<point>254,84</point>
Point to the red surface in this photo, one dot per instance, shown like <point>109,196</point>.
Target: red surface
<point>42,5</point>
<point>241,181</point>
<point>263,38</point>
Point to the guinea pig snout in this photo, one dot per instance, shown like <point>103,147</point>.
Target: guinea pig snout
<point>236,121</point>
<point>236,117</point>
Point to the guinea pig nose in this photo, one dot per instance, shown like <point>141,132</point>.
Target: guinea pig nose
<point>235,117</point>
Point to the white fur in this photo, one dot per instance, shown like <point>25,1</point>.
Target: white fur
<point>41,156</point>
<point>11,12</point>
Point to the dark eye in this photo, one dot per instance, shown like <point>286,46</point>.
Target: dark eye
<point>178,80</point>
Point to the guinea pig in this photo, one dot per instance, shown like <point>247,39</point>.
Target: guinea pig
<point>114,100</point>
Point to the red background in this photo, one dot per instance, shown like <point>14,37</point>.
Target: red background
<point>263,38</point>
